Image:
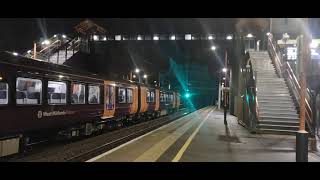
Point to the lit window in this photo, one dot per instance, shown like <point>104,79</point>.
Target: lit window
<point>57,92</point>
<point>122,95</point>
<point>188,37</point>
<point>78,94</point>
<point>28,91</point>
<point>94,95</point>
<point>3,93</point>
<point>291,53</point>
<point>129,96</point>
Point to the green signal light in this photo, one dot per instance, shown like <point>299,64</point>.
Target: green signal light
<point>187,95</point>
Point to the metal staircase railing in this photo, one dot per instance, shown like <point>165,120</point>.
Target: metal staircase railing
<point>53,47</point>
<point>250,103</point>
<point>284,70</point>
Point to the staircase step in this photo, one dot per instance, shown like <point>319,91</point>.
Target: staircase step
<point>277,109</point>
<point>278,126</point>
<point>277,131</point>
<point>273,122</point>
<point>279,118</point>
<point>284,103</point>
<point>274,95</point>
<point>285,100</point>
<point>287,107</point>
<point>271,93</point>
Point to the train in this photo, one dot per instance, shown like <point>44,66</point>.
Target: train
<point>38,98</point>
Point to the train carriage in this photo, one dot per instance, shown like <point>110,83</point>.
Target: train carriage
<point>40,99</point>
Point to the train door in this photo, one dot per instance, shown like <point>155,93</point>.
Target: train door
<point>178,100</point>
<point>109,99</point>
<point>157,100</point>
<point>174,100</point>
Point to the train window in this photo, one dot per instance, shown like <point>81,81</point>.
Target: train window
<point>78,94</point>
<point>171,97</point>
<point>148,96</point>
<point>94,95</point>
<point>28,91</point>
<point>3,93</point>
<point>151,96</point>
<point>57,92</point>
<point>109,97</point>
<point>165,97</point>
<point>122,95</point>
<point>161,97</point>
<point>129,96</point>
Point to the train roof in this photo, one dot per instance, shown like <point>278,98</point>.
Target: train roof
<point>19,60</point>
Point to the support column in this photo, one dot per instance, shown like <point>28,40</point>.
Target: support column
<point>302,134</point>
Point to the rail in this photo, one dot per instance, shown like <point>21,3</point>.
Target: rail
<point>284,70</point>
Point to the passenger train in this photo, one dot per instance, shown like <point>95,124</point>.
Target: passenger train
<point>40,98</point>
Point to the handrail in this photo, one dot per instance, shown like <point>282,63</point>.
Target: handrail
<point>285,70</point>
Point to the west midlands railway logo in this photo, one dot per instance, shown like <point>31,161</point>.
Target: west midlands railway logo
<point>39,114</point>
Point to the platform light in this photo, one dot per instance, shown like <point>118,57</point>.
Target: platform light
<point>224,70</point>
<point>187,37</point>
<point>15,54</point>
<point>172,37</point>
<point>134,76</point>
<point>64,36</point>
<point>210,37</point>
<point>95,37</point>
<point>55,35</point>
<point>113,84</point>
<point>249,35</point>
<point>61,76</point>
<point>29,51</point>
<point>118,37</point>
<point>313,44</point>
<point>213,48</point>
<point>145,76</point>
<point>229,37</point>
<point>0,78</point>
<point>156,38</point>
<point>105,38</point>
<point>139,38</point>
<point>224,78</point>
<point>155,81</point>
<point>268,34</point>
<point>45,42</point>
<point>137,70</point>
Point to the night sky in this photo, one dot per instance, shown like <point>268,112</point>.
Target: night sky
<point>17,34</point>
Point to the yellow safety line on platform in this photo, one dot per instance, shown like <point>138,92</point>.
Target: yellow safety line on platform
<point>188,142</point>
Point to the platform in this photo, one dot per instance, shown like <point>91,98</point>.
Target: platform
<point>202,136</point>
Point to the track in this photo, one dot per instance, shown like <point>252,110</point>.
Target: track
<point>85,149</point>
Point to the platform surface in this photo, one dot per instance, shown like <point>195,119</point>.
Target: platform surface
<point>201,136</point>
